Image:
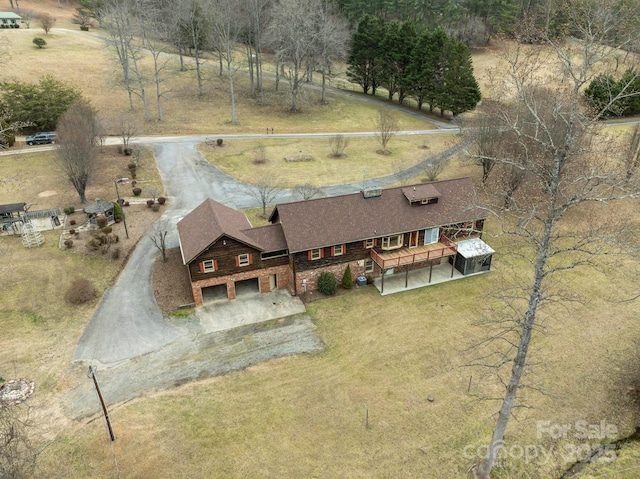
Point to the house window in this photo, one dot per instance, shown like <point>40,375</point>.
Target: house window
<point>392,242</point>
<point>338,250</point>
<point>431,235</point>
<point>369,243</point>
<point>208,266</point>
<point>244,259</point>
<point>368,266</point>
<point>315,254</point>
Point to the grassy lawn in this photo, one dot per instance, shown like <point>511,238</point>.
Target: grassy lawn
<point>236,158</point>
<point>305,416</point>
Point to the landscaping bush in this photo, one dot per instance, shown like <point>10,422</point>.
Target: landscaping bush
<point>93,244</point>
<point>68,243</point>
<point>155,207</point>
<point>101,220</point>
<point>150,203</point>
<point>117,210</point>
<point>162,200</point>
<point>137,191</point>
<point>115,253</point>
<point>80,291</point>
<point>72,222</point>
<point>347,280</point>
<point>126,203</point>
<point>39,42</point>
<point>219,141</point>
<point>131,166</point>
<point>107,229</point>
<point>69,210</point>
<point>327,283</point>
<point>72,232</point>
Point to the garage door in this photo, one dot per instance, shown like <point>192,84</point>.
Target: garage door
<point>247,287</point>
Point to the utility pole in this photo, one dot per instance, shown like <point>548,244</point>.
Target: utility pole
<point>92,375</point>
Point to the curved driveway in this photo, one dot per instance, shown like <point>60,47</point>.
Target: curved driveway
<point>128,322</point>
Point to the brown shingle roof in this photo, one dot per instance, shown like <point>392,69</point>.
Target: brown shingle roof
<point>270,237</point>
<point>342,219</point>
<point>206,224</point>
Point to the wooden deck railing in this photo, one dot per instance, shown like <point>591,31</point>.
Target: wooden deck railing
<point>393,259</point>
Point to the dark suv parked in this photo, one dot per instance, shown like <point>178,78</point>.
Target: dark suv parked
<point>42,138</point>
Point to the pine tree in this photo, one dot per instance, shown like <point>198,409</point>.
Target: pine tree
<point>364,67</point>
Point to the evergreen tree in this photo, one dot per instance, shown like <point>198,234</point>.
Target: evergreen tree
<point>397,45</point>
<point>460,91</point>
<point>364,61</point>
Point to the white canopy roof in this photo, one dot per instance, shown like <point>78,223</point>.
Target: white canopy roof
<point>474,247</point>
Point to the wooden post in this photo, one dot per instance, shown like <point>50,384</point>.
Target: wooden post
<point>430,271</point>
<point>406,278</point>
<point>92,375</point>
<point>382,282</point>
<point>453,263</point>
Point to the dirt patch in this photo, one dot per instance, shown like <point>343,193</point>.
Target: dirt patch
<point>47,193</point>
<point>171,282</point>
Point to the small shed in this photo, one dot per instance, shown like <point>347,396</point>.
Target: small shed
<point>10,20</point>
<point>474,256</point>
<point>97,208</point>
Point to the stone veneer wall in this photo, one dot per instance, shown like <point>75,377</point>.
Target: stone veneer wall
<point>337,269</point>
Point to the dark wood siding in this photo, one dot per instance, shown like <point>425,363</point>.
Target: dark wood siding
<point>354,252</point>
<point>225,256</point>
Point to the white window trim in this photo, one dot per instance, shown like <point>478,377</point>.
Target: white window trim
<point>208,266</point>
<point>370,243</point>
<point>335,250</point>
<point>387,240</point>
<point>243,259</point>
<point>426,235</point>
<point>316,254</point>
<point>368,266</point>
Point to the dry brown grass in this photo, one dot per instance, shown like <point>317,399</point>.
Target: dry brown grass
<point>236,158</point>
<point>300,416</point>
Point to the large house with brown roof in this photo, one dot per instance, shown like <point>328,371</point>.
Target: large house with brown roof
<point>375,232</point>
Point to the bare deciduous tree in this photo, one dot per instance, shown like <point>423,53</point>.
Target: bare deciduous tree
<point>126,126</point>
<point>291,34</point>
<point>387,128</point>
<point>567,172</point>
<point>159,239</point>
<point>307,191</point>
<point>632,154</point>
<point>338,144</point>
<point>226,25</point>
<point>76,155</point>
<point>487,142</point>
<point>18,454</point>
<point>265,191</point>
<point>433,169</point>
<point>46,22</point>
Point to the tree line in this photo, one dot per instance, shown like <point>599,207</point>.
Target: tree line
<point>431,67</point>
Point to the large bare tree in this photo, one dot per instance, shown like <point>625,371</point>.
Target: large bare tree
<point>566,171</point>
<point>78,138</point>
<point>226,24</point>
<point>386,128</point>
<point>257,13</point>
<point>292,35</point>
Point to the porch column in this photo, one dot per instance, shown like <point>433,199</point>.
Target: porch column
<point>430,270</point>
<point>453,264</point>
<point>382,282</point>
<point>406,278</point>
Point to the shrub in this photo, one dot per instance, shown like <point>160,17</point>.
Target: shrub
<point>101,220</point>
<point>131,166</point>
<point>39,42</point>
<point>347,280</point>
<point>327,283</point>
<point>101,238</point>
<point>155,207</point>
<point>117,210</point>
<point>150,203</point>
<point>69,210</point>
<point>72,232</point>
<point>72,222</point>
<point>80,291</point>
<point>68,243</point>
<point>126,203</point>
<point>137,191</point>
<point>219,142</point>
<point>162,200</point>
<point>115,253</point>
<point>107,229</point>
